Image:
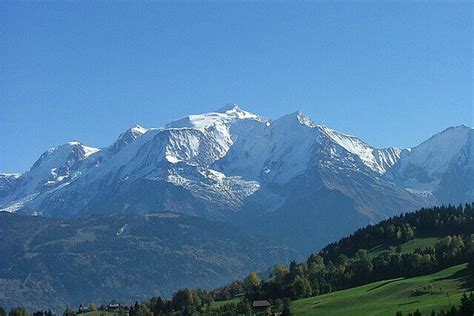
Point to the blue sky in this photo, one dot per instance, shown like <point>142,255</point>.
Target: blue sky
<point>392,73</point>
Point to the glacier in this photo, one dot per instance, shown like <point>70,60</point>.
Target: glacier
<point>234,165</point>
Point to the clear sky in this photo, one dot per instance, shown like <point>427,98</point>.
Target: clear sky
<point>392,73</point>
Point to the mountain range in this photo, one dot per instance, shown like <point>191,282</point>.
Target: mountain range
<point>289,179</point>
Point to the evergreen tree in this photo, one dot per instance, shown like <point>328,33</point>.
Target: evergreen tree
<point>453,311</point>
<point>243,307</point>
<point>159,307</point>
<point>286,308</point>
<point>466,307</point>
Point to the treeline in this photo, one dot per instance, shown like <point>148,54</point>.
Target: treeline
<point>20,311</point>
<point>186,301</point>
<point>198,302</point>
<point>317,276</point>
<point>347,263</point>
<point>341,265</point>
<point>465,308</point>
<point>438,221</point>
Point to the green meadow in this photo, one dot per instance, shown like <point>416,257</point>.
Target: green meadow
<point>434,291</point>
<point>407,247</point>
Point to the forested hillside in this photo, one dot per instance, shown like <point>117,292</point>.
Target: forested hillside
<point>52,263</point>
<point>409,245</point>
<point>349,262</point>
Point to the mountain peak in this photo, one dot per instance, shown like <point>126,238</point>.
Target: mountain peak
<point>230,107</point>
<point>304,119</point>
<point>139,129</point>
<point>224,157</point>
<point>133,132</point>
<point>234,110</point>
<point>456,129</point>
<point>449,136</point>
<point>434,157</point>
<point>222,116</point>
<point>296,118</point>
<point>71,145</point>
<point>127,137</point>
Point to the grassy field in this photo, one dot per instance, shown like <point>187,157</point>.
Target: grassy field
<point>217,304</point>
<point>389,296</point>
<point>407,247</point>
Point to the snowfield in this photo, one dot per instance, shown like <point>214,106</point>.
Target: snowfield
<point>229,161</point>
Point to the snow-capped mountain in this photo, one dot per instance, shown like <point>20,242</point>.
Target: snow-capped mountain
<point>442,167</point>
<point>7,183</point>
<point>237,166</point>
<point>378,160</point>
<point>55,168</point>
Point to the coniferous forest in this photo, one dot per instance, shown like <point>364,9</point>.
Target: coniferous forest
<point>347,263</point>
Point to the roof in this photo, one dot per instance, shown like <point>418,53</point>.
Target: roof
<point>263,303</point>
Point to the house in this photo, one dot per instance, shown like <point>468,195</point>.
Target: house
<point>113,306</point>
<point>260,306</point>
<point>83,309</point>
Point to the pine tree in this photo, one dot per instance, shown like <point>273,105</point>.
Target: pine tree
<point>286,308</point>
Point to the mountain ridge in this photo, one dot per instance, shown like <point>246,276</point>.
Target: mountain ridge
<point>66,262</point>
<point>233,165</point>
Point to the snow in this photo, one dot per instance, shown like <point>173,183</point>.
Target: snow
<point>224,157</point>
<point>89,150</point>
<point>436,153</point>
<point>52,169</point>
<point>213,119</point>
<point>127,137</point>
<point>14,175</point>
<point>379,160</point>
<point>422,167</point>
<point>387,157</point>
<point>18,204</point>
<point>234,110</point>
<point>139,130</point>
<point>289,148</point>
<point>305,120</point>
<point>172,159</point>
<point>121,230</point>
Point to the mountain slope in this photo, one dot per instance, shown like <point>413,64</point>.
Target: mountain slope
<point>389,296</point>
<point>67,262</point>
<point>7,183</point>
<point>441,167</point>
<point>236,166</point>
